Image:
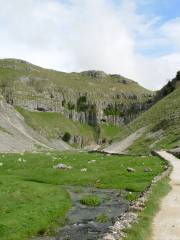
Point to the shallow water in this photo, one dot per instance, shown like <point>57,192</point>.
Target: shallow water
<point>82,221</point>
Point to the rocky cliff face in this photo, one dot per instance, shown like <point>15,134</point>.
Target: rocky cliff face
<point>90,111</point>
<point>90,97</point>
<point>168,88</point>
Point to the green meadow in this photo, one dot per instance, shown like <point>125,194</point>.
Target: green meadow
<point>34,199</point>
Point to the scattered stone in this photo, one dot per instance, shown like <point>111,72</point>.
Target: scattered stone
<point>92,161</point>
<point>131,169</point>
<point>147,170</point>
<point>166,167</point>
<point>118,231</point>
<point>109,237</point>
<point>84,170</point>
<point>1,164</point>
<point>21,160</point>
<point>98,181</point>
<point>69,167</point>
<point>62,166</point>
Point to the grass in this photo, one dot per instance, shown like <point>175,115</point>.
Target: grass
<point>53,125</point>
<point>157,135</point>
<point>29,208</point>
<point>143,228</point>
<point>109,131</point>
<point>102,218</point>
<point>66,83</point>
<point>90,200</point>
<point>33,196</point>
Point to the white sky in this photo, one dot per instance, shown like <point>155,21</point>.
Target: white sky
<point>80,35</point>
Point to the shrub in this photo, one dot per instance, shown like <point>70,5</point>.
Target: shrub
<point>66,137</point>
<point>71,106</point>
<point>82,105</point>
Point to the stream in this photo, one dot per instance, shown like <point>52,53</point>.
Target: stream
<point>83,223</point>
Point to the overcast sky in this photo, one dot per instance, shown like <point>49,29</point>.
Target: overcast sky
<point>139,39</point>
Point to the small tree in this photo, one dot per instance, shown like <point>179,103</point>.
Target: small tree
<point>66,137</point>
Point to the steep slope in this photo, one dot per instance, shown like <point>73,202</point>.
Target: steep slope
<point>54,125</point>
<point>16,136</point>
<point>91,96</point>
<point>161,123</point>
<point>80,99</point>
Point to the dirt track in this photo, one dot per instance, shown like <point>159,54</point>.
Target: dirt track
<point>122,146</point>
<point>166,225</point>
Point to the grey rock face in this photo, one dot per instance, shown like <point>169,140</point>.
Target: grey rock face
<point>94,74</point>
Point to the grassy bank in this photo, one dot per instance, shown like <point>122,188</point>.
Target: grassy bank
<point>53,125</point>
<point>162,126</point>
<point>33,196</point>
<point>143,229</point>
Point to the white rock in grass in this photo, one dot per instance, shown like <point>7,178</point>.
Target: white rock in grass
<point>1,164</point>
<point>84,170</point>
<point>131,169</point>
<point>92,161</point>
<point>19,160</point>
<point>69,167</point>
<point>62,166</point>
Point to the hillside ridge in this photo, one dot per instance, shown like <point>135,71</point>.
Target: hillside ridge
<point>89,97</point>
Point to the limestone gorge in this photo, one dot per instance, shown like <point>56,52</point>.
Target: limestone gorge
<point>81,155</point>
<point>91,97</point>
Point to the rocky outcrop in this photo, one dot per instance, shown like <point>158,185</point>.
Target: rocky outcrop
<point>90,96</point>
<point>93,112</point>
<point>168,88</point>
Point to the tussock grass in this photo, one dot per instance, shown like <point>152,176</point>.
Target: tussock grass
<point>90,200</point>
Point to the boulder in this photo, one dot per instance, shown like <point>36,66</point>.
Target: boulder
<point>147,170</point>
<point>131,169</point>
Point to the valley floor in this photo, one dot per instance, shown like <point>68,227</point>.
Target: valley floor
<point>34,199</point>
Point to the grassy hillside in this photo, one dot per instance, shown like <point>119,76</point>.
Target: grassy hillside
<point>54,125</point>
<point>109,131</point>
<point>162,122</point>
<point>98,85</point>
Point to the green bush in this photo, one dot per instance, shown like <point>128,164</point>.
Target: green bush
<point>66,137</point>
